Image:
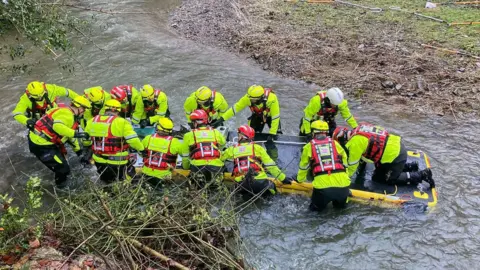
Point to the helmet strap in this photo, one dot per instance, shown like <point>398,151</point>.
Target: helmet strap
<point>319,135</point>
<point>164,132</point>
<point>111,112</point>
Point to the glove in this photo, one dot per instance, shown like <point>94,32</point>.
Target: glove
<point>30,124</point>
<point>309,137</point>
<point>82,135</point>
<point>218,122</point>
<point>288,180</point>
<point>271,138</point>
<point>144,153</point>
<point>144,123</point>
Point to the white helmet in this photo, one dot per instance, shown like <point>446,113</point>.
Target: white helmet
<point>335,95</point>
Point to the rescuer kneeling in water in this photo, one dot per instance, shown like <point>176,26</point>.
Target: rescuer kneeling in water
<point>201,150</point>
<point>374,144</point>
<point>325,158</point>
<point>265,108</point>
<point>47,138</point>
<point>162,150</point>
<point>97,97</point>
<point>212,102</point>
<point>155,104</point>
<point>325,106</point>
<point>111,136</point>
<point>249,155</point>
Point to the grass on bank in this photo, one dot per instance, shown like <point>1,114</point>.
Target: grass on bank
<point>358,24</point>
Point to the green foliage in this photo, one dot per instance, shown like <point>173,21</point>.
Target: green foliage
<point>15,221</point>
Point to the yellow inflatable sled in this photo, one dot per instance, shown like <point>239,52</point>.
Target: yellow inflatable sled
<point>287,151</point>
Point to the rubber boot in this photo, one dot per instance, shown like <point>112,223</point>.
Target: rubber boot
<point>427,177</point>
<point>411,167</point>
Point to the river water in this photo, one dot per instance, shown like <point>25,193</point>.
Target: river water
<point>280,234</point>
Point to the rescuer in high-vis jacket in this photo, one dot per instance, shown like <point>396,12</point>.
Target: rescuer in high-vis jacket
<point>370,143</point>
<point>111,136</point>
<point>155,105</point>
<point>39,97</point>
<point>265,108</point>
<point>325,105</point>
<point>161,153</point>
<point>212,102</point>
<point>249,155</point>
<point>202,150</point>
<point>48,136</point>
<point>326,159</point>
<point>131,100</point>
<point>97,97</point>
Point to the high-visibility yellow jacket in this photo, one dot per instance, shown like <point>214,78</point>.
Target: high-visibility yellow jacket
<point>310,113</point>
<point>258,155</point>
<point>23,110</point>
<point>163,145</point>
<point>63,124</point>
<point>96,108</point>
<point>101,127</point>
<point>272,110</point>
<point>206,136</point>
<point>215,111</point>
<point>160,112</point>
<point>137,108</point>
<point>358,144</point>
<point>335,179</point>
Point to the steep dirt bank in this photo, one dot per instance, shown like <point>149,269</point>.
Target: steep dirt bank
<point>377,58</point>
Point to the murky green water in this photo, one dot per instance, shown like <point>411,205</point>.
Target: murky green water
<point>280,234</point>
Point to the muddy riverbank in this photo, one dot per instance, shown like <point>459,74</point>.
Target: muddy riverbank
<point>376,58</point>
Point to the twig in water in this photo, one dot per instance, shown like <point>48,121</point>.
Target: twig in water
<point>451,108</point>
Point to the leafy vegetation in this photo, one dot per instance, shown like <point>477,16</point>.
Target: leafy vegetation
<point>128,225</point>
<point>45,23</point>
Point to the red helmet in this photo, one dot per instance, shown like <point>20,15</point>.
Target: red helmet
<point>199,116</point>
<point>341,134</point>
<point>119,93</point>
<point>246,131</point>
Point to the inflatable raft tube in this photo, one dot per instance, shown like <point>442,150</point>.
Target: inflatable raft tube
<point>287,150</point>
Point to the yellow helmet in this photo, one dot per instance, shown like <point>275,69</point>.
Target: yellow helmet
<point>255,91</point>
<point>165,124</point>
<point>95,94</point>
<point>113,104</point>
<point>147,91</point>
<point>81,101</point>
<point>319,126</point>
<point>36,90</point>
<point>203,94</point>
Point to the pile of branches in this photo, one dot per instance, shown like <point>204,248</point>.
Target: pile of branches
<point>135,226</point>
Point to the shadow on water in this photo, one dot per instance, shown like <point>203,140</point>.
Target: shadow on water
<point>279,234</point>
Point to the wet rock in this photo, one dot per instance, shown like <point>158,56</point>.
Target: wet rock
<point>388,84</point>
<point>174,25</point>
<point>256,56</point>
<point>361,47</point>
<point>461,69</point>
<point>478,64</point>
<point>398,87</point>
<point>421,84</point>
<point>265,67</point>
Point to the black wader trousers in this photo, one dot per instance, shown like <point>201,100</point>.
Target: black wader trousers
<point>53,158</point>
